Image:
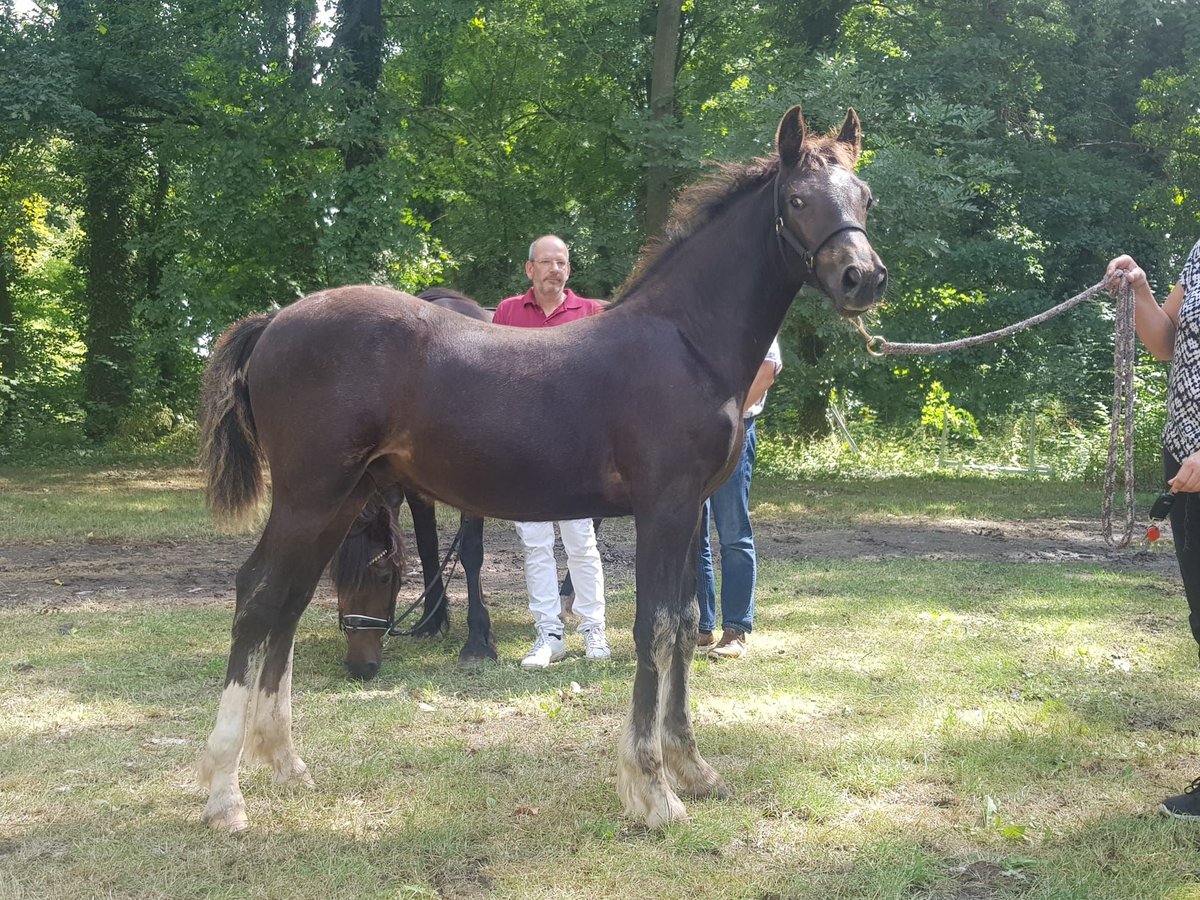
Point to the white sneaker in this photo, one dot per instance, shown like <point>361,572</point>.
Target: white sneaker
<point>595,644</point>
<point>546,649</point>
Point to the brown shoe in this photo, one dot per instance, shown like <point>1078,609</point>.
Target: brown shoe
<point>705,641</point>
<point>732,645</point>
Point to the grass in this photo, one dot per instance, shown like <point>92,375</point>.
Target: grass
<point>903,729</point>
<point>76,503</point>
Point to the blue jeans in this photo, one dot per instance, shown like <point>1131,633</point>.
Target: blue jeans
<point>729,510</point>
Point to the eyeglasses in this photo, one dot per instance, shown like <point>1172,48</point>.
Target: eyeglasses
<point>552,263</point>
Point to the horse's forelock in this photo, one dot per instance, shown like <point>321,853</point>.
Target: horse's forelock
<point>351,564</point>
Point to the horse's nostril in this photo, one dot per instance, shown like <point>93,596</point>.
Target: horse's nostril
<point>881,284</point>
<point>851,278</point>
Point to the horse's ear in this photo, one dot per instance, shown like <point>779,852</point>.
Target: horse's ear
<point>790,136</point>
<point>851,133</point>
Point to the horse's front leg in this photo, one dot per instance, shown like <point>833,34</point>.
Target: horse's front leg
<point>481,643</point>
<point>662,552</point>
<point>437,615</point>
<point>688,771</point>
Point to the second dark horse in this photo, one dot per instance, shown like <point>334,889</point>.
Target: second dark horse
<point>368,566</point>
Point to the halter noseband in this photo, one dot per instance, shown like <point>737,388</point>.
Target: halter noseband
<point>783,233</point>
<point>353,621</point>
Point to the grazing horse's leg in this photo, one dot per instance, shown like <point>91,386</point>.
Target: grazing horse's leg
<point>662,553</point>
<point>685,766</point>
<point>424,516</point>
<point>481,644</point>
<point>273,588</point>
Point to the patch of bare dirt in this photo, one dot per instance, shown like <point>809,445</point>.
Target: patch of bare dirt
<point>57,575</point>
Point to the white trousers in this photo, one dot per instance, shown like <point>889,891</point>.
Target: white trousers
<point>541,573</point>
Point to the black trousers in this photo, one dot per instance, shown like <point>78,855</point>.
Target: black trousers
<point>1185,528</point>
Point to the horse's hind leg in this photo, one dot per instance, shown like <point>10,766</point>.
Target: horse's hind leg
<point>662,551</point>
<point>687,770</point>
<point>481,643</point>
<point>437,615</point>
<point>274,587</point>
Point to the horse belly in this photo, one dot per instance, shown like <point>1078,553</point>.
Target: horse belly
<point>486,462</point>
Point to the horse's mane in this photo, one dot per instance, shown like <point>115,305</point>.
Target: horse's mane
<point>699,203</point>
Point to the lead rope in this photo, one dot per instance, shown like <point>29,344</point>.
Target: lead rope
<point>1121,419</point>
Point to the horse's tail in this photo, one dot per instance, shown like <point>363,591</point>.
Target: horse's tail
<point>230,453</point>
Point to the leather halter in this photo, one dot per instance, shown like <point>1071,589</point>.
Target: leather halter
<point>352,622</point>
<point>783,233</point>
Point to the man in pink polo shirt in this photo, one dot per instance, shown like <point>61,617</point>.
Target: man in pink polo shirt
<point>550,302</point>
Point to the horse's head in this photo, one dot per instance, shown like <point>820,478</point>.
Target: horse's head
<point>821,212</point>
<point>366,575</point>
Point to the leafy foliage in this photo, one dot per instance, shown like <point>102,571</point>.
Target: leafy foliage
<point>169,169</point>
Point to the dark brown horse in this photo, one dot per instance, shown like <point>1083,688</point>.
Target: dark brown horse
<point>637,411</point>
<point>368,567</point>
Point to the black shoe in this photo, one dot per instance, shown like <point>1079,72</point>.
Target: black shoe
<point>1185,805</point>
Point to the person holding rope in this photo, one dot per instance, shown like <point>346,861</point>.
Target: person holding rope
<point>1172,332</point>
<point>547,303</point>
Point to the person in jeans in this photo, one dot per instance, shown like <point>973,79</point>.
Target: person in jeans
<point>729,509</point>
<point>547,303</point>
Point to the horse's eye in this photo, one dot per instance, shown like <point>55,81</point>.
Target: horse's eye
<point>796,202</point>
<point>871,203</point>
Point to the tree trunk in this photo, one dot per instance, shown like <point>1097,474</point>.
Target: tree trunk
<point>358,46</point>
<point>662,111</point>
<point>812,405</point>
<point>109,362</point>
<point>9,345</point>
<point>158,318</point>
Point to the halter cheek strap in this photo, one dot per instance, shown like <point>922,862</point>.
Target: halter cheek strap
<point>783,233</point>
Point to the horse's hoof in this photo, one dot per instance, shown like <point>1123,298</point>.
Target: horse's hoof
<point>296,776</point>
<point>716,791</point>
<point>230,820</point>
<point>668,810</point>
<point>473,660</point>
<point>705,783</point>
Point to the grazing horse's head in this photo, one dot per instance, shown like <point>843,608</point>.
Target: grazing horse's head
<point>821,212</point>
<point>366,574</point>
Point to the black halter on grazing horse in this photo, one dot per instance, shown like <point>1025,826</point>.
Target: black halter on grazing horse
<point>635,412</point>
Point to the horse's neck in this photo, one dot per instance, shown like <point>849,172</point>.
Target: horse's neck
<point>727,287</point>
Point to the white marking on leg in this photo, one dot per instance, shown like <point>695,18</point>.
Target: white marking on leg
<point>641,779</point>
<point>270,736</point>
<point>685,767</point>
<point>226,807</point>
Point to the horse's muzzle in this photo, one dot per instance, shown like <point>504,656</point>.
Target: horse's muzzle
<point>855,275</point>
